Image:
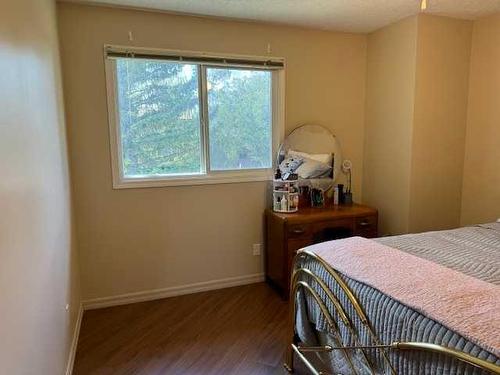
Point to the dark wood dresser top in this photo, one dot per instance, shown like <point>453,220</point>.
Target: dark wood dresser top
<point>309,215</point>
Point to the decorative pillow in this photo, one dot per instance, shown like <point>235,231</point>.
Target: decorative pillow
<point>290,164</point>
<point>323,158</point>
<point>312,169</point>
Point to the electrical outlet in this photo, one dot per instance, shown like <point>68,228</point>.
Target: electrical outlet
<point>256,249</point>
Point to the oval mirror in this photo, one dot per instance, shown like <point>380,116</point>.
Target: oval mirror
<point>314,139</point>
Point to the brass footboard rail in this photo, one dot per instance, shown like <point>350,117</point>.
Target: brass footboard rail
<point>347,350</point>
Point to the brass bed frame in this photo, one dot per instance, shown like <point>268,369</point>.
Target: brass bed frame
<point>295,349</point>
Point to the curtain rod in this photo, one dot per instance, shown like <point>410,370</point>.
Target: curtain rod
<point>200,59</point>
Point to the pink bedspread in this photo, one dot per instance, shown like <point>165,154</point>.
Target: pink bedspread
<point>468,306</point>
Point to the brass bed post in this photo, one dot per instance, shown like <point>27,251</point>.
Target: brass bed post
<point>293,295</point>
<point>338,307</point>
<point>299,269</point>
<point>331,323</point>
<point>352,299</point>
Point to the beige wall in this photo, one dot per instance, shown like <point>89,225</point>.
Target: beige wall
<point>142,239</point>
<point>481,184</point>
<point>416,107</point>
<point>390,95</point>
<point>438,142</point>
<point>38,273</point>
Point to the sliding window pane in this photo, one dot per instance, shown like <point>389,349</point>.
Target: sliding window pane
<point>240,119</point>
<point>159,118</point>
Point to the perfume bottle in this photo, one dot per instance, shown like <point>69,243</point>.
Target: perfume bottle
<point>336,196</point>
<point>277,203</point>
<point>284,204</point>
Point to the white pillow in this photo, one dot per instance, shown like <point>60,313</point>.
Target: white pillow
<point>312,169</point>
<point>323,158</point>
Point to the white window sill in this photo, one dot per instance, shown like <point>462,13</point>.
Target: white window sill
<point>192,180</point>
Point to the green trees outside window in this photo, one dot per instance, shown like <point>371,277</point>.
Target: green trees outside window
<point>159,118</point>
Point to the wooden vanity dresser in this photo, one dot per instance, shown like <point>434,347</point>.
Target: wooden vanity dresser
<point>287,233</point>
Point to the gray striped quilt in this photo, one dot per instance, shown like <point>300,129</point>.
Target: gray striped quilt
<point>474,251</point>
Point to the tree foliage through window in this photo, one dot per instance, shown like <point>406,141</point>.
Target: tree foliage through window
<point>159,112</point>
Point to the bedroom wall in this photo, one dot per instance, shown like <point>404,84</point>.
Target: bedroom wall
<point>38,269</point>
<point>416,108</point>
<point>143,239</point>
<point>481,183</point>
<point>438,141</point>
<point>390,96</point>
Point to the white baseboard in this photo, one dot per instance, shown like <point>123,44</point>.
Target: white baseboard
<point>74,342</point>
<point>149,295</point>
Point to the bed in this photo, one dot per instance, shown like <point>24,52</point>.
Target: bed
<point>345,324</point>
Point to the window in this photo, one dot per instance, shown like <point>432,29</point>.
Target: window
<point>239,118</point>
<point>182,121</point>
<point>159,118</point>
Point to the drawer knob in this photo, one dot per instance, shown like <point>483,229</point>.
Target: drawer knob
<point>364,224</point>
<point>297,231</point>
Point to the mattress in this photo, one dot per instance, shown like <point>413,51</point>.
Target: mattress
<point>474,251</point>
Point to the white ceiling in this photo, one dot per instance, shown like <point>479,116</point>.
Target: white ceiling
<point>342,15</point>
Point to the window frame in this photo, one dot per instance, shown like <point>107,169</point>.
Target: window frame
<point>207,176</point>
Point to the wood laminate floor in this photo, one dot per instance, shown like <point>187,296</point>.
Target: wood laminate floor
<point>239,330</point>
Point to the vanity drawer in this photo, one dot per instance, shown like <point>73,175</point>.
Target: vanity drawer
<point>366,226</point>
<point>333,224</point>
<point>299,231</point>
